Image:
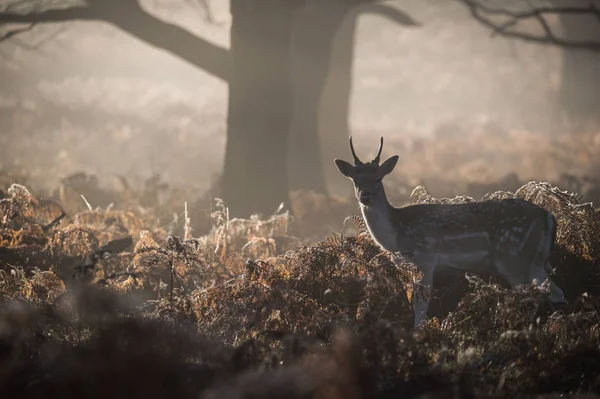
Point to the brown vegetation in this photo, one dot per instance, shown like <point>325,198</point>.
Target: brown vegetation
<point>108,302</point>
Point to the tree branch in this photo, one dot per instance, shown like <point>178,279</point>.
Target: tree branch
<point>398,16</point>
<point>50,16</point>
<point>178,41</point>
<point>131,18</point>
<point>482,14</point>
<point>11,33</point>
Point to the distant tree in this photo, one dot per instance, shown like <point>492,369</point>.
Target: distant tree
<point>580,39</point>
<point>321,113</point>
<point>261,86</point>
<point>268,37</point>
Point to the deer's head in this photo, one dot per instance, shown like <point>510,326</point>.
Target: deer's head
<point>367,177</point>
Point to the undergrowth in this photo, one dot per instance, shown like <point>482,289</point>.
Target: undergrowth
<point>108,302</point>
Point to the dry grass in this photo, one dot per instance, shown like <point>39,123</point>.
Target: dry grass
<point>251,310</point>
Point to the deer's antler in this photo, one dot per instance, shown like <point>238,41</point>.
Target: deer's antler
<point>356,160</point>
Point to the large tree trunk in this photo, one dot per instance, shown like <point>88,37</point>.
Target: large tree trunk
<point>580,90</point>
<point>334,115</point>
<point>318,114</point>
<point>255,176</point>
<point>324,42</point>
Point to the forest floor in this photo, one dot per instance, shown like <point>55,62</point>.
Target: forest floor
<point>139,300</point>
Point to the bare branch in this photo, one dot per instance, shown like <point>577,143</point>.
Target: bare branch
<point>49,37</point>
<point>50,16</point>
<point>128,16</point>
<point>398,16</point>
<point>482,13</point>
<point>37,45</point>
<point>591,10</point>
<point>14,32</point>
<point>538,15</point>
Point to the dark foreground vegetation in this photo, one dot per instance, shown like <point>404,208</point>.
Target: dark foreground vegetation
<point>110,303</point>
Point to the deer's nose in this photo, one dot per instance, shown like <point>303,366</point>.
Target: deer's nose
<point>365,198</point>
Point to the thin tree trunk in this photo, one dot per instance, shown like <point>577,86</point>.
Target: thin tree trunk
<point>580,90</point>
<point>334,115</point>
<point>315,35</point>
<point>324,42</point>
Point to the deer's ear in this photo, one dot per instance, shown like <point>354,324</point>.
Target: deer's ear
<point>346,168</point>
<point>387,166</point>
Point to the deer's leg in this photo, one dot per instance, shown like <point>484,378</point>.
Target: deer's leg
<point>539,276</point>
<point>556,294</point>
<point>513,270</point>
<point>523,272</point>
<point>540,266</point>
<point>421,296</point>
<point>521,269</point>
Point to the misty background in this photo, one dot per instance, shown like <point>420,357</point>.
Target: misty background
<point>450,98</point>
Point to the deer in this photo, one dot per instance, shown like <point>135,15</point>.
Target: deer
<point>511,237</point>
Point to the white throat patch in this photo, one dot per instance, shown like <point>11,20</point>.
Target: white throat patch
<point>380,226</point>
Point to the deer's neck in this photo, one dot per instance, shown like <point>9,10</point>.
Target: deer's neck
<point>378,218</point>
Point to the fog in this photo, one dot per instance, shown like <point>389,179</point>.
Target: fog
<point>87,96</point>
<point>170,209</point>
